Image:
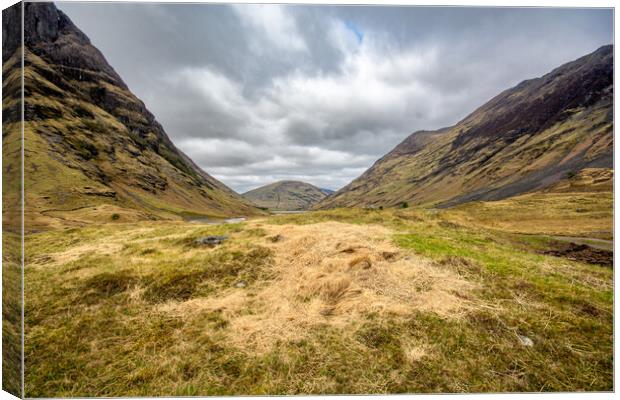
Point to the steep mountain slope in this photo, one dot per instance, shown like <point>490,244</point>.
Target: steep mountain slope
<point>591,180</point>
<point>286,196</point>
<point>92,149</point>
<point>524,139</point>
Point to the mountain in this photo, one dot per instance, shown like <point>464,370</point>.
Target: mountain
<point>286,196</point>
<point>526,138</point>
<point>93,151</point>
<point>327,192</point>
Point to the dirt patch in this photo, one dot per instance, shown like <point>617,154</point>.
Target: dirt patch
<point>581,252</point>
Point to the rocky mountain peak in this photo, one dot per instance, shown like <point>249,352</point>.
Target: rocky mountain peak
<point>50,34</point>
<point>90,135</point>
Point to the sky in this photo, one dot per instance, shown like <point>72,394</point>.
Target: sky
<point>260,93</point>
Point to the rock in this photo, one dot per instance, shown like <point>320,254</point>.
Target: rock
<point>276,238</point>
<point>241,284</point>
<point>525,341</point>
<point>151,183</point>
<point>98,192</point>
<point>389,255</point>
<point>211,240</point>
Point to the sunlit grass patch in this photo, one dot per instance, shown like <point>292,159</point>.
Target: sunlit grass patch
<point>569,214</point>
<point>388,217</point>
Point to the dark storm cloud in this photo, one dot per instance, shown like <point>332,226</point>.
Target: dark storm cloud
<point>317,93</point>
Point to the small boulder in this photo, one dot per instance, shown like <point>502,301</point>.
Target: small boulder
<point>525,341</point>
<point>211,240</point>
<point>241,284</point>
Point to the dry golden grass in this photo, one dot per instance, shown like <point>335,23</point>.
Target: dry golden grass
<point>588,214</point>
<point>333,274</point>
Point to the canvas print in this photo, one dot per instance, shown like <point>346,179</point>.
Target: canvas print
<point>270,199</point>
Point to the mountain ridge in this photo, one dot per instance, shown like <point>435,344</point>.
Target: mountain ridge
<point>83,125</point>
<point>525,138</point>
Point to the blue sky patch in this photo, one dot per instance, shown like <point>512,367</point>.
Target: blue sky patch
<point>353,28</point>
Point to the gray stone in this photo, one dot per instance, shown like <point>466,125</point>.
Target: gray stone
<point>211,240</point>
<point>525,341</point>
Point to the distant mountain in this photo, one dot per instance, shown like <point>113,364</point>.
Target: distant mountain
<point>327,192</point>
<point>92,147</point>
<point>526,138</point>
<point>286,196</point>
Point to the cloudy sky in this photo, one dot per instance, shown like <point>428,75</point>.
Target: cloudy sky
<point>256,94</point>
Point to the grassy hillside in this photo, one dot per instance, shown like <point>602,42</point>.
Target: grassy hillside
<point>286,196</point>
<point>11,223</point>
<point>527,138</point>
<point>340,301</point>
<point>11,250</point>
<point>581,206</point>
<point>93,151</point>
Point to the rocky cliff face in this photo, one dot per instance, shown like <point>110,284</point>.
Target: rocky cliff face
<point>90,143</point>
<point>524,139</point>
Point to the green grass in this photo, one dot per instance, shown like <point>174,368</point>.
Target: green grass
<point>11,313</point>
<point>567,308</point>
<point>11,229</point>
